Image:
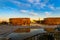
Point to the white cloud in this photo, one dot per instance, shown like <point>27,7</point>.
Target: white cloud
<point>31,1</point>
<point>15,2</point>
<point>42,5</point>
<point>47,14</point>
<point>33,14</point>
<point>46,1</point>
<point>20,4</point>
<point>25,5</point>
<point>29,12</point>
<point>23,11</point>
<point>39,4</point>
<point>8,8</point>
<point>34,1</point>
<point>51,7</point>
<point>37,0</point>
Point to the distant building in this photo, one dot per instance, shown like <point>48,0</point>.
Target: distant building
<point>52,21</point>
<point>20,21</point>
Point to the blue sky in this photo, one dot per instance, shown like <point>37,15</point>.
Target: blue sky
<point>29,8</point>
